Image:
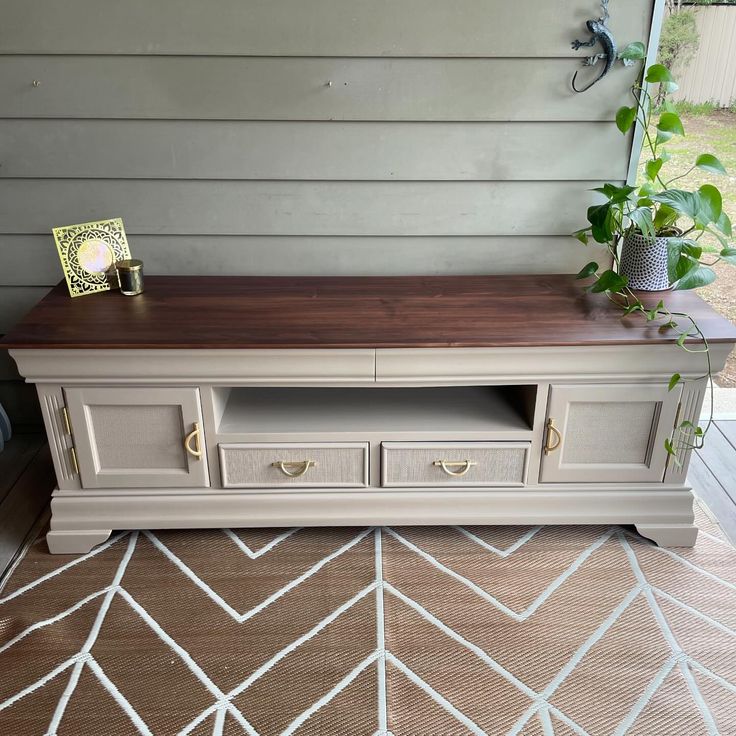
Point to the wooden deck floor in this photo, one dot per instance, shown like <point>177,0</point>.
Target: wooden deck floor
<point>713,475</point>
<point>26,481</point>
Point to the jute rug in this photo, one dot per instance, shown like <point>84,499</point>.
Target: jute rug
<point>348,632</point>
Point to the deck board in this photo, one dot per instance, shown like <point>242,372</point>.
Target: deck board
<point>28,495</point>
<point>712,475</point>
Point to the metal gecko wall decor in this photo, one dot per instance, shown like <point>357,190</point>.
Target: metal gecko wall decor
<point>600,34</point>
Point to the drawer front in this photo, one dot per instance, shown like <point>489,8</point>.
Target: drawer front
<point>454,464</point>
<point>283,465</point>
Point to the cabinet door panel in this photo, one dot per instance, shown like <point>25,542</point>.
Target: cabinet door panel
<point>134,437</point>
<point>608,433</point>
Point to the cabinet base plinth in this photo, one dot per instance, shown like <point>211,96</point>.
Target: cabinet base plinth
<point>669,535</point>
<point>80,521</point>
<point>75,542</point>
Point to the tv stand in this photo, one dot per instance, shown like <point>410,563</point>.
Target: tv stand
<point>237,402</point>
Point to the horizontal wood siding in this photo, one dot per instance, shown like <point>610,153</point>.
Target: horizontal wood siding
<point>181,207</point>
<point>183,149</point>
<point>308,27</point>
<point>304,136</point>
<point>263,88</point>
<point>238,255</point>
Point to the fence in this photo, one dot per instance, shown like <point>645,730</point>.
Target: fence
<point>710,75</point>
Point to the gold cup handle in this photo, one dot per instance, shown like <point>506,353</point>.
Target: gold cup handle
<point>465,466</point>
<point>301,467</point>
<point>196,451</point>
<point>552,431</point>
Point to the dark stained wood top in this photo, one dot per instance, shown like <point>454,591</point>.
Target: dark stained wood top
<point>373,312</point>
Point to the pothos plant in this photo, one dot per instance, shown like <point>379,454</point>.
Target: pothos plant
<point>697,229</point>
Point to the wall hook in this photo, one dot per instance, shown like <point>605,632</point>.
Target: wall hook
<point>36,83</point>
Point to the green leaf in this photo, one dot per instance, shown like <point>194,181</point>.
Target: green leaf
<point>708,162</point>
<point>682,257</point>
<point>599,216</point>
<point>723,223</point>
<point>587,270</point>
<point>658,73</point>
<point>652,168</point>
<point>673,381</point>
<point>681,339</point>
<point>663,136</point>
<point>682,202</point>
<point>642,218</point>
<point>653,313</point>
<point>581,235</point>
<point>609,281</point>
<point>598,213</point>
<point>625,118</point>
<point>671,123</point>
<point>647,189</point>
<point>696,278</point>
<point>633,308</point>
<point>633,52</point>
<point>711,204</point>
<point>665,217</point>
<point>615,194</point>
<point>669,106</point>
<point>669,448</point>
<point>728,255</point>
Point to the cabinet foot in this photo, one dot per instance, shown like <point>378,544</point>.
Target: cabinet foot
<point>75,542</point>
<point>669,535</point>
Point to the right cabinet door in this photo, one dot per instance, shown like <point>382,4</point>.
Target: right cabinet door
<point>608,433</point>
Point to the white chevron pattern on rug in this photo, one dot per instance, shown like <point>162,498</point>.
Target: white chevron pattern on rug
<point>543,713</point>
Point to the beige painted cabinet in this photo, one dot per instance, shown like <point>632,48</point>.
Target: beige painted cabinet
<point>137,437</point>
<point>608,433</point>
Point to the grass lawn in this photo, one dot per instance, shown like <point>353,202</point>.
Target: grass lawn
<point>713,133</point>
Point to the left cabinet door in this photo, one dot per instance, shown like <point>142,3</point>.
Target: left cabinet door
<point>138,437</point>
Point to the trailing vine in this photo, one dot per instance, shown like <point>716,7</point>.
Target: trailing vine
<point>657,209</point>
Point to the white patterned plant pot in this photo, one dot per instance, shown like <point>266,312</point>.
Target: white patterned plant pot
<point>644,262</point>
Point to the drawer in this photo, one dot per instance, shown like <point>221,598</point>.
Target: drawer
<point>454,464</point>
<point>286,464</point>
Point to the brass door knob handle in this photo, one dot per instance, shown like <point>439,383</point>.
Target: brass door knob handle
<point>465,466</point>
<point>301,467</point>
<point>552,431</point>
<point>196,451</point>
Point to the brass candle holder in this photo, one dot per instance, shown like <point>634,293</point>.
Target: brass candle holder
<point>130,276</point>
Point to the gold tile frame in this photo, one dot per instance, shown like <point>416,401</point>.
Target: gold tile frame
<point>70,238</point>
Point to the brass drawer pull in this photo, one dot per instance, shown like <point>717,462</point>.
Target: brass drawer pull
<point>552,430</point>
<point>447,464</point>
<point>302,465</point>
<point>196,451</point>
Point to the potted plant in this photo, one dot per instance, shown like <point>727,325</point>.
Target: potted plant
<point>658,235</point>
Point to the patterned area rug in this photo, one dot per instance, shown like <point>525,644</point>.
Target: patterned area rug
<point>348,632</point>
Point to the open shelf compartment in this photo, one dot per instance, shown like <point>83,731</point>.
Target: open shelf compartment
<point>493,411</point>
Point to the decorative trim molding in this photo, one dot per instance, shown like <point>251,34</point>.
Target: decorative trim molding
<point>305,367</point>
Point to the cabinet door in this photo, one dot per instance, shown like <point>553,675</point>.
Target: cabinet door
<point>135,437</point>
<point>608,433</point>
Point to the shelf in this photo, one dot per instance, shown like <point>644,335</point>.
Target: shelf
<point>492,410</point>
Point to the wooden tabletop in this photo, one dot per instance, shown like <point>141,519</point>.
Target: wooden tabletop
<point>282,312</point>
